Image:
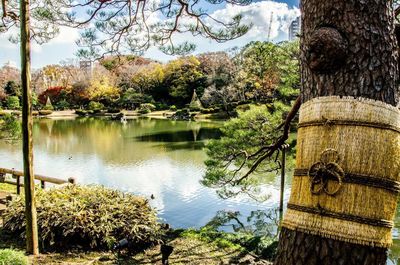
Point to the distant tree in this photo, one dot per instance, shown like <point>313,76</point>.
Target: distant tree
<point>181,77</point>
<point>220,72</point>
<point>9,73</point>
<point>54,93</point>
<point>79,94</point>
<point>130,99</point>
<point>102,87</point>
<point>12,88</point>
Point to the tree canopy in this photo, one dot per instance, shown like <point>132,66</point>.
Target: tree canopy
<point>125,26</point>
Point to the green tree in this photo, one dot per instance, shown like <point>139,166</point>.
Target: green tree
<point>182,76</point>
<point>12,102</point>
<point>231,160</point>
<point>220,86</point>
<point>10,127</point>
<point>12,88</point>
<point>131,99</point>
<point>270,70</point>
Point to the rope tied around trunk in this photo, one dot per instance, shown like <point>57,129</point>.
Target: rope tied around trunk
<point>326,171</point>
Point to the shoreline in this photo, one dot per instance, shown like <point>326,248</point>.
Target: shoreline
<point>129,114</point>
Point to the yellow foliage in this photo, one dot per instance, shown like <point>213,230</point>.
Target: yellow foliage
<point>101,88</point>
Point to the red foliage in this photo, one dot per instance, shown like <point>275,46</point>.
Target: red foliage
<point>52,92</point>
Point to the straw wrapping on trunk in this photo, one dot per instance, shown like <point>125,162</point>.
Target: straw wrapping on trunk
<point>347,166</point>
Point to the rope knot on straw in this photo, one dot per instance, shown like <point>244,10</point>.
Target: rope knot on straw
<point>326,175</point>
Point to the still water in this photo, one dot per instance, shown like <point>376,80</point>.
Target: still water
<point>149,157</point>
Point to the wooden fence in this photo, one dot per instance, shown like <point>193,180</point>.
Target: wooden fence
<point>17,175</point>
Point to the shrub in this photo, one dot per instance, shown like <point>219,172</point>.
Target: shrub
<point>173,108</point>
<point>81,112</point>
<point>93,105</point>
<point>113,110</point>
<point>146,108</point>
<point>14,257</point>
<point>207,111</point>
<point>45,112</point>
<point>161,106</point>
<point>194,108</point>
<point>243,108</point>
<point>62,105</point>
<point>12,102</point>
<point>92,217</point>
<point>10,127</point>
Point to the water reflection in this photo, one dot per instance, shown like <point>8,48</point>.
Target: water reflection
<point>146,156</point>
<point>193,135</point>
<point>257,232</point>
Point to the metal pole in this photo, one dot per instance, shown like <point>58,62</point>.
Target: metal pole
<point>32,246</point>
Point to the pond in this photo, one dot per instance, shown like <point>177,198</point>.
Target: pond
<point>156,158</point>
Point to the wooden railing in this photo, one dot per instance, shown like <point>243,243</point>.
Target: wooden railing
<point>17,175</point>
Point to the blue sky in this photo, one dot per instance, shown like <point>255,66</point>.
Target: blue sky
<point>258,13</point>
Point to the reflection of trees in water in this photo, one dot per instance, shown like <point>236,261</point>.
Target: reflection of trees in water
<point>194,135</point>
<point>119,143</point>
<point>258,223</point>
<point>257,233</point>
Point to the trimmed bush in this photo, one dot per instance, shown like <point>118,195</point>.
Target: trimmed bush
<point>81,112</point>
<point>12,102</point>
<point>14,257</point>
<point>161,106</point>
<point>45,112</point>
<point>146,108</point>
<point>95,106</point>
<point>194,108</point>
<point>113,110</point>
<point>92,217</point>
<point>173,108</point>
<point>62,105</point>
<point>207,111</point>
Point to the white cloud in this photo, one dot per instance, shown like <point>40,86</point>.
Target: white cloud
<point>259,14</point>
<point>67,35</point>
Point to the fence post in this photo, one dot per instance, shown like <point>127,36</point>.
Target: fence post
<point>42,184</point>
<point>18,178</point>
<point>2,177</point>
<point>71,180</point>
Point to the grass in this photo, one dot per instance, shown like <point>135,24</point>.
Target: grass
<point>8,188</point>
<point>14,257</point>
<point>189,248</point>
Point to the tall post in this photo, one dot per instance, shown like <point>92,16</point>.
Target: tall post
<point>282,179</point>
<point>27,146</point>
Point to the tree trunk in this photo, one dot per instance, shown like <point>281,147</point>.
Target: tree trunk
<point>348,48</point>
<point>32,246</point>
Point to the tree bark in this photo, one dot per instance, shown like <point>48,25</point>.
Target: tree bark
<point>32,246</point>
<point>348,48</point>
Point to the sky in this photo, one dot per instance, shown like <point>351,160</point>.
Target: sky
<point>258,13</point>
